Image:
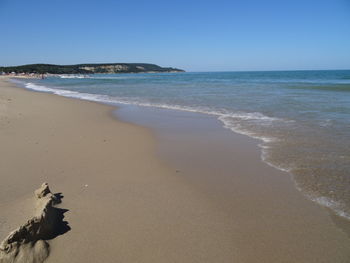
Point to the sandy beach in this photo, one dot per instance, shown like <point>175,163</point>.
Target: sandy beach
<point>125,204</point>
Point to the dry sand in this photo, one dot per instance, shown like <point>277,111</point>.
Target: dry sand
<point>125,205</point>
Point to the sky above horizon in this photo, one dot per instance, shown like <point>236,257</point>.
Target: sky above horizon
<point>192,35</point>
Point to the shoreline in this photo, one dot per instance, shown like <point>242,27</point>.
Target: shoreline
<point>222,151</point>
<point>214,222</point>
<point>263,142</point>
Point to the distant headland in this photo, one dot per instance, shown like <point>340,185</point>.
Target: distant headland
<point>106,68</point>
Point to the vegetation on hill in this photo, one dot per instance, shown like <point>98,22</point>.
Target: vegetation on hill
<point>88,68</point>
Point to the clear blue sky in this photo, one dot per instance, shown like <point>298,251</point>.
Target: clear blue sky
<point>193,35</point>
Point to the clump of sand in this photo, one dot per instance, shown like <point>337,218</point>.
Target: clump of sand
<point>28,243</point>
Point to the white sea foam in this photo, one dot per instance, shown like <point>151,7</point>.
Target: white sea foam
<point>73,76</point>
<point>337,207</point>
<point>326,123</point>
<point>97,76</point>
<point>255,116</point>
<point>231,120</point>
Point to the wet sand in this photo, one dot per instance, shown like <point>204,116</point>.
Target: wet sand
<point>275,220</point>
<point>135,196</point>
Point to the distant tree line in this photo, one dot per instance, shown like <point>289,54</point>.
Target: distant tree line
<point>93,68</point>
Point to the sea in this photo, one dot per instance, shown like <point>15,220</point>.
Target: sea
<point>301,118</point>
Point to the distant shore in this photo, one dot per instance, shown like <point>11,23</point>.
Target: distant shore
<point>45,75</point>
<point>106,68</point>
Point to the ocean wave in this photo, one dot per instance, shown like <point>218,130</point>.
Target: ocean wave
<point>99,77</point>
<point>326,123</point>
<point>73,76</point>
<point>94,77</point>
<point>340,86</point>
<point>337,207</point>
<point>231,120</point>
<point>252,116</point>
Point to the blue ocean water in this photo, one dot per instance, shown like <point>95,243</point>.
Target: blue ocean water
<point>301,117</point>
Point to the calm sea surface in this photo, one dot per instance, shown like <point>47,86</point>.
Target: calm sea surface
<point>301,117</point>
